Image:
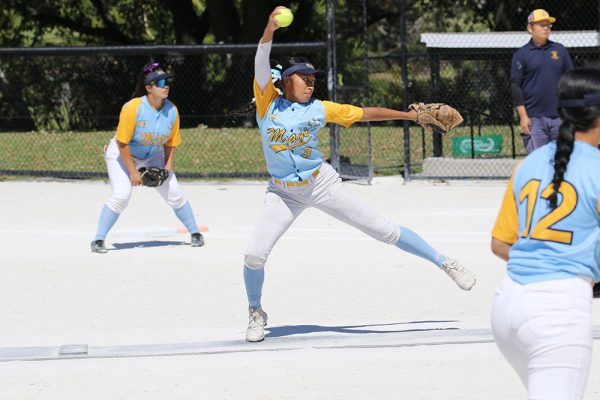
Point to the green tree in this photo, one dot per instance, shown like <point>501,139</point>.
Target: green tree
<point>34,23</point>
<point>113,22</point>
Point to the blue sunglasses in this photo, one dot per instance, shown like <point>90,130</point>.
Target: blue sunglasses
<point>162,83</point>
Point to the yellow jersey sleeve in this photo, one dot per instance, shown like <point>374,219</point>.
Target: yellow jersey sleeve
<point>264,99</point>
<point>175,138</point>
<point>342,114</point>
<point>506,228</point>
<point>127,120</point>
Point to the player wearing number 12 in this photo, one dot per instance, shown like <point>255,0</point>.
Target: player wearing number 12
<point>548,230</point>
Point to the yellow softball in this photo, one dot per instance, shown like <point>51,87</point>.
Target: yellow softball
<point>284,18</point>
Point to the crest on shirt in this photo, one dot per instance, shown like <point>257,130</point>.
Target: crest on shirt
<point>519,65</point>
<point>142,124</point>
<point>554,55</point>
<point>274,118</point>
<point>314,122</point>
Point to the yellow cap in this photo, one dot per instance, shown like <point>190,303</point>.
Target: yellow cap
<point>540,15</point>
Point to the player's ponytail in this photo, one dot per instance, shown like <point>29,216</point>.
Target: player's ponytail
<point>247,108</point>
<point>140,88</point>
<point>579,108</point>
<point>564,148</point>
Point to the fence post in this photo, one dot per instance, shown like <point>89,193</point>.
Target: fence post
<point>334,129</point>
<point>435,90</point>
<point>405,83</point>
<point>365,40</point>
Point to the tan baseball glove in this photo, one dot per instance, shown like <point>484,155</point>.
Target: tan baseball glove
<point>438,115</point>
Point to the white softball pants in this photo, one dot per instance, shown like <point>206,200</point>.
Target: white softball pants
<point>544,330</point>
<point>120,182</point>
<point>326,192</point>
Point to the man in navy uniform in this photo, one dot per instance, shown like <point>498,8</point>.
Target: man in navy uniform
<point>535,72</point>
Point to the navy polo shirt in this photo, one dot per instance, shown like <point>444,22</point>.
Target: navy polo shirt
<point>538,70</point>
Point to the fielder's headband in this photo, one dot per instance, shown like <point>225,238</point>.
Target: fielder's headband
<point>275,74</point>
<point>155,76</point>
<point>590,99</point>
<point>302,68</point>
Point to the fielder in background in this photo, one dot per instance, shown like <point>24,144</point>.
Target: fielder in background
<point>146,138</point>
<point>536,69</point>
<point>289,124</point>
<point>548,230</point>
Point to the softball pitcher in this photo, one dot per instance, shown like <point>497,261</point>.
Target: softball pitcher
<point>548,230</point>
<point>147,135</point>
<point>301,178</point>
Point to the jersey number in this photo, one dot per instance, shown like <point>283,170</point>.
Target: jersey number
<point>543,229</point>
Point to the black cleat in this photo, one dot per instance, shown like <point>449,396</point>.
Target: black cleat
<point>197,240</point>
<point>98,246</point>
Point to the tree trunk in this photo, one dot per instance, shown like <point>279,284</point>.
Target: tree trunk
<point>189,27</point>
<point>25,122</point>
<point>224,20</point>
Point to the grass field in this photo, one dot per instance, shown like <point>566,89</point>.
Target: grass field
<point>222,150</point>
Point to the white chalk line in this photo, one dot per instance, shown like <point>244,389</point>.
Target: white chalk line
<point>229,233</point>
<point>425,337</point>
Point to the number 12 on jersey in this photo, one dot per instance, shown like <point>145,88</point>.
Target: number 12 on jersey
<point>543,229</point>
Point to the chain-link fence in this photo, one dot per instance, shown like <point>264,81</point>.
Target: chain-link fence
<point>351,149</point>
<point>58,124</point>
<point>472,71</point>
<point>59,107</point>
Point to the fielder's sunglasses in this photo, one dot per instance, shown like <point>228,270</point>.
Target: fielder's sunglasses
<point>162,83</point>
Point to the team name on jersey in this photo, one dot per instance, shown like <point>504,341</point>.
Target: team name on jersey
<point>152,139</point>
<point>281,143</point>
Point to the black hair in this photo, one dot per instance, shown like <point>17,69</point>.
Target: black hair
<point>140,86</point>
<point>573,85</point>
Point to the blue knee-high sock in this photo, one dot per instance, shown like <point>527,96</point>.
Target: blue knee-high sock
<point>186,216</point>
<point>415,244</point>
<point>254,278</point>
<point>107,219</point>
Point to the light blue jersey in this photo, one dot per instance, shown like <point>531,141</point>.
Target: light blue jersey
<point>552,244</point>
<point>147,130</point>
<point>289,131</point>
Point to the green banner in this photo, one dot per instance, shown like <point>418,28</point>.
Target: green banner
<point>486,144</point>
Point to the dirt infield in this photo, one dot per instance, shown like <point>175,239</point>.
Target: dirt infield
<point>349,317</point>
